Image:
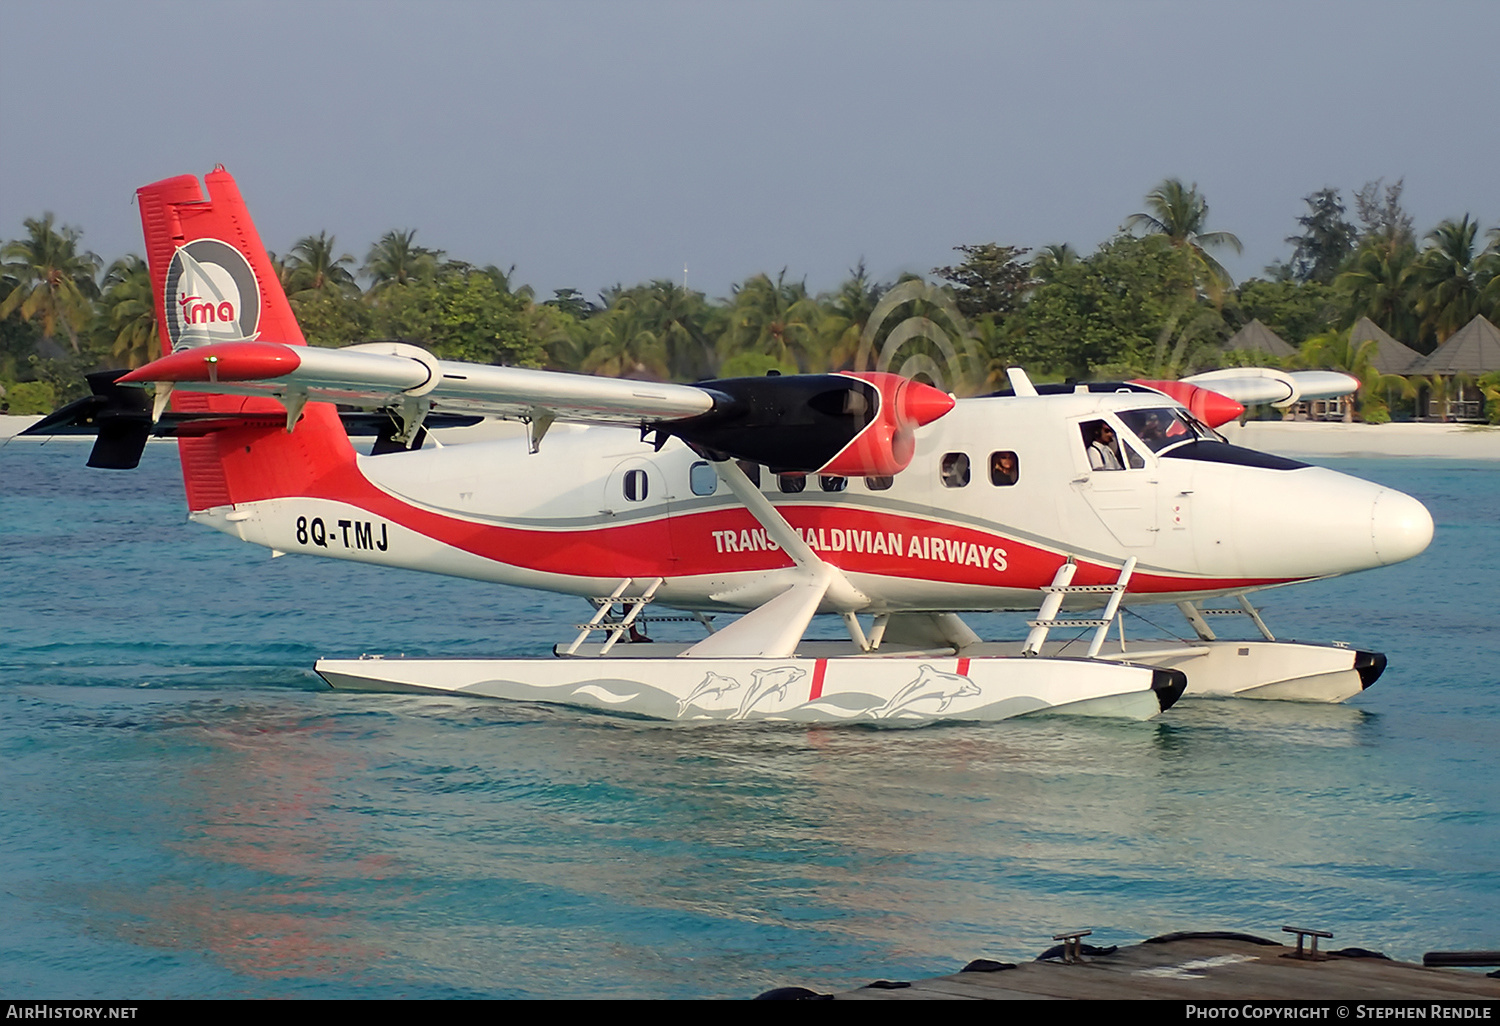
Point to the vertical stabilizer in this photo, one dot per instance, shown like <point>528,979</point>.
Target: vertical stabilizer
<point>214,282</point>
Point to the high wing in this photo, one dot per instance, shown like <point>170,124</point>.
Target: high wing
<point>1217,397</point>
<point>849,424</point>
<point>1256,386</point>
<point>378,375</point>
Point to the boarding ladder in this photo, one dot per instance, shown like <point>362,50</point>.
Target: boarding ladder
<point>616,625</point>
<point>1060,588</point>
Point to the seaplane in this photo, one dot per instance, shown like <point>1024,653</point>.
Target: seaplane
<point>867,496</point>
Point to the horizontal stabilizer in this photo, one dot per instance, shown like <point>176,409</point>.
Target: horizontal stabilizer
<point>120,416</point>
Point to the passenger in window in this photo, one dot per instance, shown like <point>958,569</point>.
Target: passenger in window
<point>1104,451</point>
<point>1004,468</point>
<point>955,468</point>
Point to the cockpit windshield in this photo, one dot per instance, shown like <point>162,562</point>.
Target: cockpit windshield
<point>1164,427</point>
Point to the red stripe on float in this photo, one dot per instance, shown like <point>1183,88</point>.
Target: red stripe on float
<point>819,669</point>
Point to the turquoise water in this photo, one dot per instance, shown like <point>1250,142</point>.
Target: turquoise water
<point>186,812</point>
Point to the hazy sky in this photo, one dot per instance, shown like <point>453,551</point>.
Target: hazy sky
<point>590,143</point>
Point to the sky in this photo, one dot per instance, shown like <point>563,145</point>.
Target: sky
<point>594,143</point>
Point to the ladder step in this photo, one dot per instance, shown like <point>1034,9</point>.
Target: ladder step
<point>602,626</point>
<point>1068,623</point>
<point>1222,612</point>
<point>623,600</point>
<point>1081,589</point>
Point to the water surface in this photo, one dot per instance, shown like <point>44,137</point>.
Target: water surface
<point>187,812</point>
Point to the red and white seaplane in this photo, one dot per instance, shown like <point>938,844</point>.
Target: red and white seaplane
<point>852,494</point>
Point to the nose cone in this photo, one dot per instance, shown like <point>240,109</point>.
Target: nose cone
<point>1315,522</point>
<point>923,403</point>
<point>1400,526</point>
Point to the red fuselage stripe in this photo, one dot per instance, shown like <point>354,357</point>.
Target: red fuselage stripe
<point>729,540</point>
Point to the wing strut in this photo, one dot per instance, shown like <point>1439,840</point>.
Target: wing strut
<point>775,627</point>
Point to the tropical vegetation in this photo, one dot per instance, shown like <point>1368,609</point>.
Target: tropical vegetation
<point>1152,300</point>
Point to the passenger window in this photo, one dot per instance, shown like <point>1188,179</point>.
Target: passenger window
<point>955,468</point>
<point>791,482</point>
<point>879,484</point>
<point>636,485</point>
<point>1005,468</point>
<point>752,471</point>
<point>832,484</point>
<point>702,479</point>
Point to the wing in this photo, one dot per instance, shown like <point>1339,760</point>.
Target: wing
<point>1217,397</point>
<point>1255,386</point>
<point>378,375</point>
<point>849,424</point>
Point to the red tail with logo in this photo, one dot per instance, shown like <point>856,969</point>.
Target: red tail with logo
<point>213,282</point>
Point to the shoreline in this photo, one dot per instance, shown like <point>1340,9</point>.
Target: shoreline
<point>1334,438</point>
<point>1283,438</point>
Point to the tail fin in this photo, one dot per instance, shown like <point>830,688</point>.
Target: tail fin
<point>214,282</point>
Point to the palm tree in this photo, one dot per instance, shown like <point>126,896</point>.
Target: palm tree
<point>1488,272</point>
<point>1335,350</point>
<point>1448,279</point>
<point>1445,278</point>
<point>845,314</point>
<point>397,260</point>
<point>776,318</point>
<point>1378,285</point>
<point>680,318</point>
<point>128,312</point>
<point>1443,390</point>
<point>1045,264</point>
<point>1489,384</point>
<point>53,283</point>
<point>1188,340</point>
<point>312,267</point>
<point>1180,213</point>
<point>620,343</point>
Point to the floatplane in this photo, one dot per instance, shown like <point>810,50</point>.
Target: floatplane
<point>863,495</point>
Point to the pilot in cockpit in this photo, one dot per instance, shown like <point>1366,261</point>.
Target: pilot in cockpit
<point>1104,450</point>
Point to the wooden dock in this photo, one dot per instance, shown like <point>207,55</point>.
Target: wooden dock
<point>1196,967</point>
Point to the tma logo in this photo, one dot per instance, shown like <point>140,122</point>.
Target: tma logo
<point>212,295</point>
<point>195,312</point>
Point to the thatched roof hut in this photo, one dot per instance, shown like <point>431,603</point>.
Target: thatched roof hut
<point>1391,357</point>
<point>1255,337</point>
<point>1473,349</point>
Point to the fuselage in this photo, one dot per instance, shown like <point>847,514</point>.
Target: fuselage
<point>1001,491</point>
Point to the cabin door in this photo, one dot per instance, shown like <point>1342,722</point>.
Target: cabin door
<point>637,501</point>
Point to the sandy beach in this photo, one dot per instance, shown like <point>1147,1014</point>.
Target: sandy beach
<point>1285,438</point>
<point>1315,438</point>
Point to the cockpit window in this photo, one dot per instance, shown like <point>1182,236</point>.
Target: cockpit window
<point>1163,427</point>
<point>1106,450</point>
